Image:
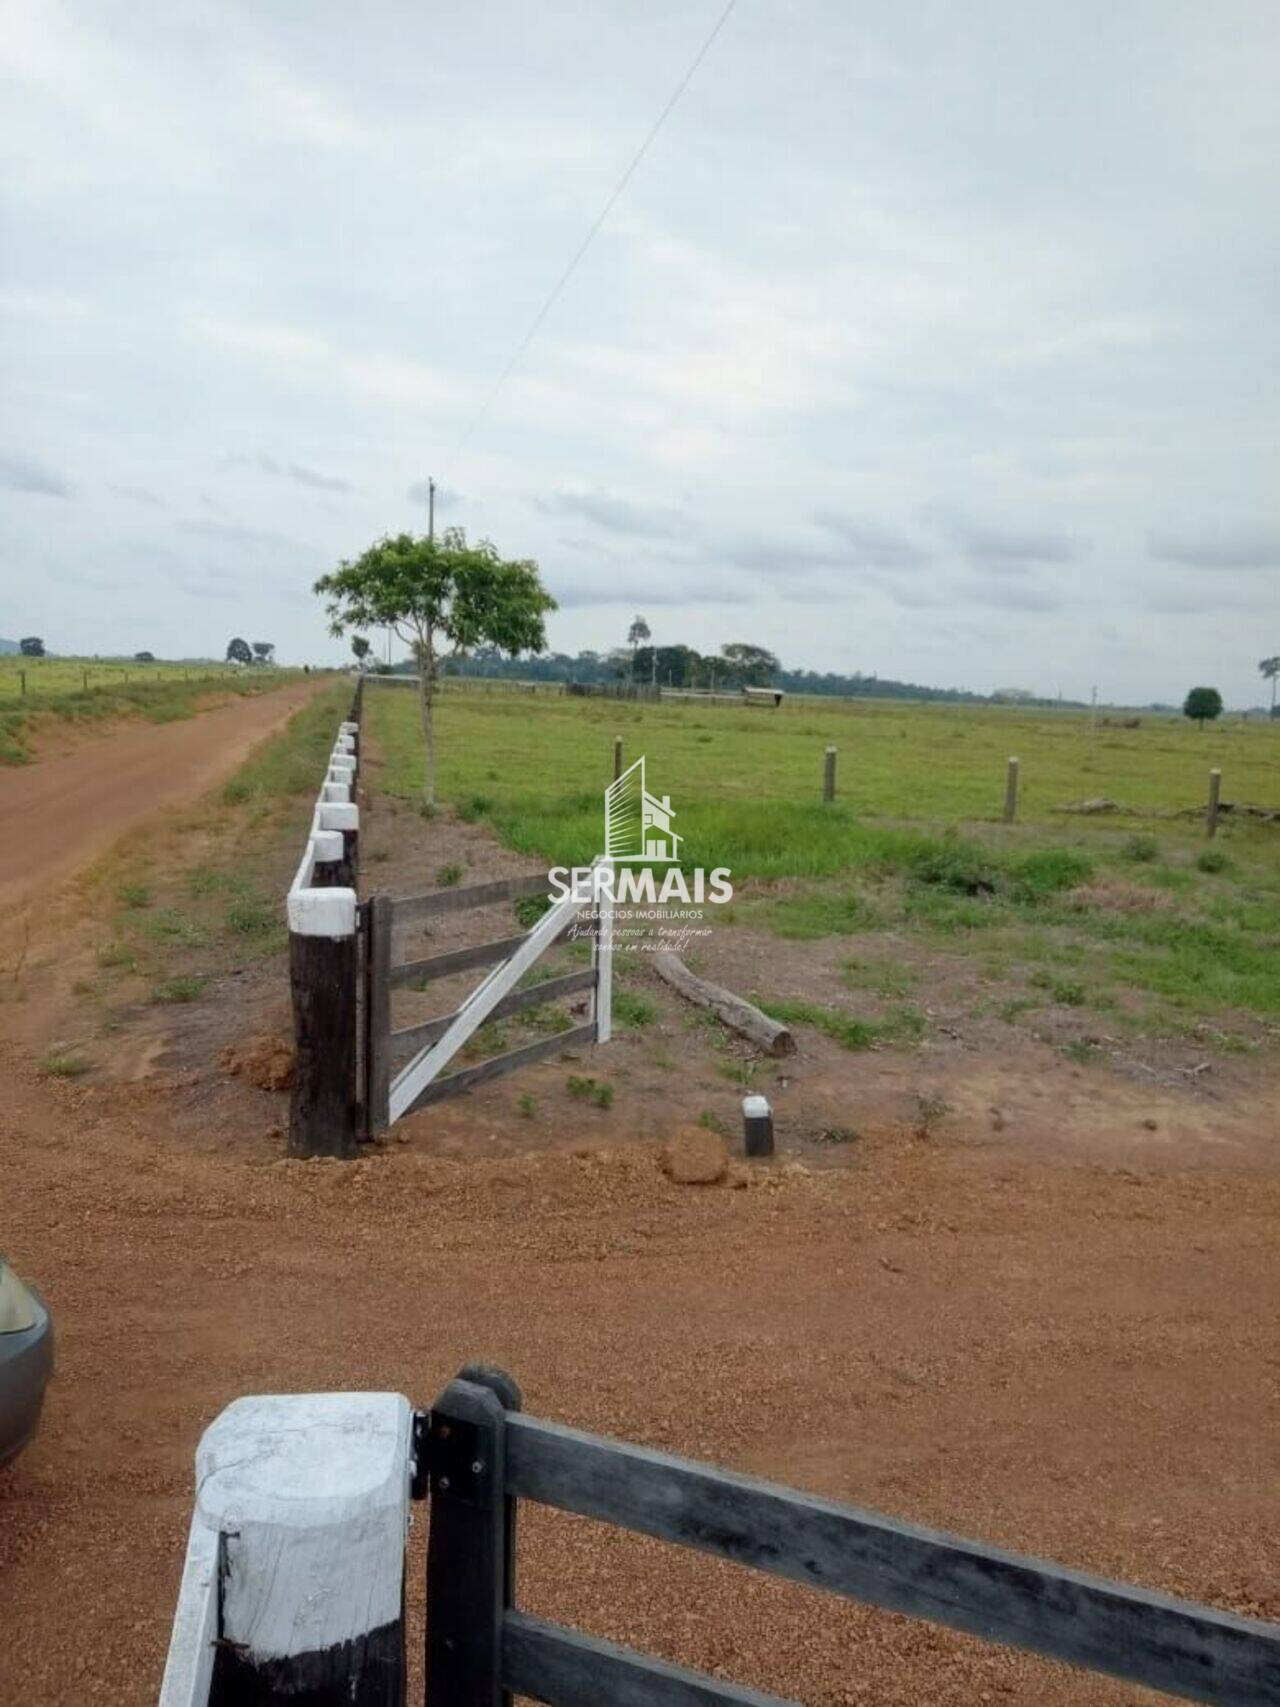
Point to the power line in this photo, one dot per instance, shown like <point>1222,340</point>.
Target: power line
<point>552,297</point>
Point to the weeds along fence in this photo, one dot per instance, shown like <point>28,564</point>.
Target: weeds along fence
<point>294,1584</point>
<point>355,1073</point>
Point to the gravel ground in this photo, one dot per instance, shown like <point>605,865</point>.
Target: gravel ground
<point>1069,1358</point>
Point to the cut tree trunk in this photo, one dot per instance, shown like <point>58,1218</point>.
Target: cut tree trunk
<point>730,1010</point>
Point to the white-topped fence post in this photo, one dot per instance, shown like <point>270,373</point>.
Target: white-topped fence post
<point>294,1582</point>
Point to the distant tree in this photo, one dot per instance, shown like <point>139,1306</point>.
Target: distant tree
<point>262,651</point>
<point>1202,705</point>
<point>32,646</point>
<point>439,591</point>
<point>360,646</point>
<point>752,666</point>
<point>144,657</point>
<point>1270,670</point>
<point>238,651</point>
<point>637,634</point>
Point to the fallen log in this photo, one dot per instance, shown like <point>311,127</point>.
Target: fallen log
<point>730,1010</point>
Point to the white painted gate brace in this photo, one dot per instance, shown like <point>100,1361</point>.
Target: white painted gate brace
<point>413,1078</point>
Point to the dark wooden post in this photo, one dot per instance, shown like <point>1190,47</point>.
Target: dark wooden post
<point>470,1547</point>
<point>757,1126</point>
<point>1211,812</point>
<point>617,757</point>
<point>323,972</point>
<point>829,775</point>
<point>377,1012</point>
<point>1011,792</point>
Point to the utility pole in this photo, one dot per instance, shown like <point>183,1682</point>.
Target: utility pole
<point>431,510</point>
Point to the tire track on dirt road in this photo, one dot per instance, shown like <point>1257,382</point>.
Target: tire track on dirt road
<point>61,812</point>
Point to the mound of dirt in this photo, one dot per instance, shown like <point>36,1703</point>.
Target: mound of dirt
<point>265,1062</point>
<point>695,1156</point>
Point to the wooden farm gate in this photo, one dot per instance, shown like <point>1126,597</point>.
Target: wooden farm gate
<point>293,1589</point>
<point>354,1075</point>
<point>405,1068</point>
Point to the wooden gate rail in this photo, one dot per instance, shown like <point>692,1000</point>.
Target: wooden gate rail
<point>484,1455</point>
<point>410,1038</point>
<point>294,1581</point>
<point>405,1066</point>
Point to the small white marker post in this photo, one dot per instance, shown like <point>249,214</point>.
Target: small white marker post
<point>757,1126</point>
<point>294,1578</point>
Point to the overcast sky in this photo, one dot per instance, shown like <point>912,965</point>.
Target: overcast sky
<point>936,341</point>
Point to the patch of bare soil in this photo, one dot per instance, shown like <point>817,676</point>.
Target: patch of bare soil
<point>978,1288</point>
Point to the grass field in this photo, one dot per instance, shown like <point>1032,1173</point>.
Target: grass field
<point>84,690</point>
<point>1129,914</point>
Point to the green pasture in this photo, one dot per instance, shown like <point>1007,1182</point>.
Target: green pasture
<point>1131,916</point>
<point>84,690</point>
<point>747,783</point>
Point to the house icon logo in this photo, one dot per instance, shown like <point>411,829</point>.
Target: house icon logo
<point>637,824</point>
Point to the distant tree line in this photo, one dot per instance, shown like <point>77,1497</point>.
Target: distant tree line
<point>736,665</point>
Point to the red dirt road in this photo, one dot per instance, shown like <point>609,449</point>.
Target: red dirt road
<point>64,810</point>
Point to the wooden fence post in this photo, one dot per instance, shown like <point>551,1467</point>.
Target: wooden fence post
<point>1011,792</point>
<point>602,955</point>
<point>617,757</point>
<point>294,1581</point>
<point>323,972</point>
<point>757,1126</point>
<point>1211,813</point>
<point>469,1567</point>
<point>829,775</point>
<point>377,1010</point>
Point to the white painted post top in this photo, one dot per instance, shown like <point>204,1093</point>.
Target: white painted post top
<point>755,1107</point>
<point>315,1489</point>
<point>334,815</point>
<point>322,912</point>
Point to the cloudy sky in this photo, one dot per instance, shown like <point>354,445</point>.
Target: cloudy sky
<point>937,341</point>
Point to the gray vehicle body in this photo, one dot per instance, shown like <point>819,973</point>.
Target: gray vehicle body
<point>26,1363</point>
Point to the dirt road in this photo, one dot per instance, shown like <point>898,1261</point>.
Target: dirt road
<point>62,811</point>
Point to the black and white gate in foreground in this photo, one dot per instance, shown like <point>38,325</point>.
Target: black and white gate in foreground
<point>293,1590</point>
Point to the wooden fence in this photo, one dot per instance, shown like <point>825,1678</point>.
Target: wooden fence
<point>406,1066</point>
<point>355,1075</point>
<point>295,1569</point>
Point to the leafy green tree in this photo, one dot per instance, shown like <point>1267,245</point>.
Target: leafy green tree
<point>753,666</point>
<point>1270,671</point>
<point>238,651</point>
<point>263,650</point>
<point>360,647</point>
<point>437,593</point>
<point>32,646</point>
<point>1202,705</point>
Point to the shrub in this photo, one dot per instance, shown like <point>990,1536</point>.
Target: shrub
<point>1212,861</point>
<point>1048,872</point>
<point>448,876</point>
<point>1140,849</point>
<point>953,864</point>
